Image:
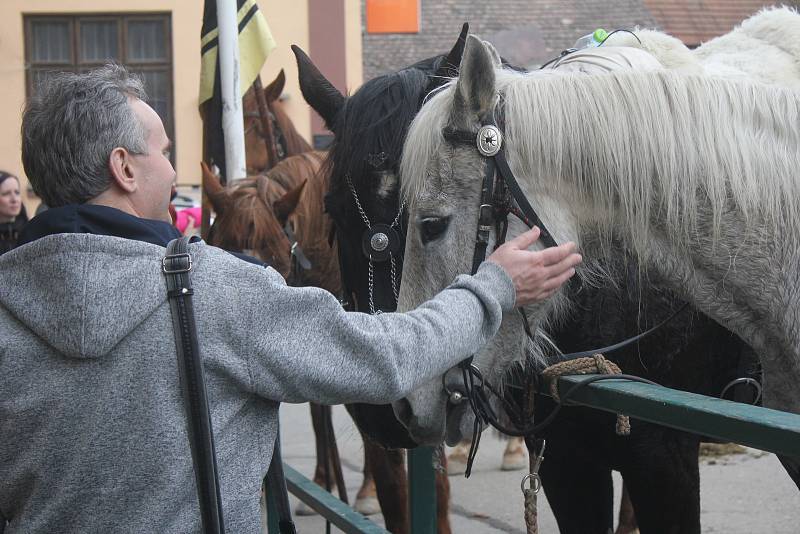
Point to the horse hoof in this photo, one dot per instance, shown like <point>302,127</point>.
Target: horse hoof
<point>457,459</point>
<point>514,460</point>
<point>456,465</point>
<point>367,506</point>
<point>304,510</point>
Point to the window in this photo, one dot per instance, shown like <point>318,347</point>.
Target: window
<point>141,42</point>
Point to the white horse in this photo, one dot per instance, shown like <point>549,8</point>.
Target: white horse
<point>695,174</point>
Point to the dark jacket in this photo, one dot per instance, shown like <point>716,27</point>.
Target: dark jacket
<point>9,232</point>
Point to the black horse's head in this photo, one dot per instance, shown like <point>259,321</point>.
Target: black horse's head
<point>369,128</point>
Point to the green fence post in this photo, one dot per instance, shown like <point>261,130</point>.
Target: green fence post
<point>272,511</point>
<point>422,490</point>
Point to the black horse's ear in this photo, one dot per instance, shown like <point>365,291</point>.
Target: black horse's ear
<point>317,90</point>
<point>448,68</point>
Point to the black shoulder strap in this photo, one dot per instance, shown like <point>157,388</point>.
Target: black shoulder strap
<point>176,266</point>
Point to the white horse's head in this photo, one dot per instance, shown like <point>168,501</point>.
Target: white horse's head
<point>443,182</point>
<point>673,165</point>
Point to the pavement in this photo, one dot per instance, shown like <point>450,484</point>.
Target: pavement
<point>740,494</point>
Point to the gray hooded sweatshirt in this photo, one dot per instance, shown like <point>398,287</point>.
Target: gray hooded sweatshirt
<point>93,434</point>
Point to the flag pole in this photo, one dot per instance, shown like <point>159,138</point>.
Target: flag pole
<point>229,66</point>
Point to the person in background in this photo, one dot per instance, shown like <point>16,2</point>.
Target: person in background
<point>12,212</point>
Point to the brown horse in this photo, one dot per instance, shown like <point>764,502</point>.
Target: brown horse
<point>285,138</point>
<point>252,217</point>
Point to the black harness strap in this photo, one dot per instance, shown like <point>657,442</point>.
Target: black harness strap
<point>530,216</point>
<point>486,217</point>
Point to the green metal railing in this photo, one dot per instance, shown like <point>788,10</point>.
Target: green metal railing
<point>331,508</point>
<point>760,428</point>
<point>422,499</point>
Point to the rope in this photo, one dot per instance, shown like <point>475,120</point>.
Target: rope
<point>535,484</point>
<point>596,364</point>
<point>531,512</point>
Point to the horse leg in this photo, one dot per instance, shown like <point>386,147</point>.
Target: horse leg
<point>443,499</point>
<point>318,424</point>
<point>780,393</point>
<point>573,482</point>
<point>367,498</point>
<point>663,478</point>
<point>391,484</point>
<point>576,471</point>
<point>627,517</point>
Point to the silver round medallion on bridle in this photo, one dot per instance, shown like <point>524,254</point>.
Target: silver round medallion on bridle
<point>489,140</point>
<point>379,242</point>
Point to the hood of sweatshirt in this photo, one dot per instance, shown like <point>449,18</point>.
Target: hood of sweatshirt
<point>82,293</point>
<point>84,276</point>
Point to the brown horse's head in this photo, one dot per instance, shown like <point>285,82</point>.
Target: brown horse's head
<point>285,137</point>
<point>251,216</point>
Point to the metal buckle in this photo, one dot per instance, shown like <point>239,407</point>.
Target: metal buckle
<point>486,213</point>
<point>179,270</point>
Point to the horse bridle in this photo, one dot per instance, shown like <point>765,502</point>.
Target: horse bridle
<point>280,141</point>
<point>298,259</point>
<point>501,195</point>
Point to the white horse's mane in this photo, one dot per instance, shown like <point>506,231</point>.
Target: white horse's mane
<point>642,141</point>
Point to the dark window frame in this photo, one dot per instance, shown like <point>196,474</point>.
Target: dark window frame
<point>78,64</point>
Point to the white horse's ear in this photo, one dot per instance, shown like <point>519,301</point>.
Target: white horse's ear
<point>475,91</point>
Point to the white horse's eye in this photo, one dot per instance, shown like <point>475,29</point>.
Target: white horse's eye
<point>432,228</point>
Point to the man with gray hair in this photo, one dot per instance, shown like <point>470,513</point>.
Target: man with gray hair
<point>91,413</point>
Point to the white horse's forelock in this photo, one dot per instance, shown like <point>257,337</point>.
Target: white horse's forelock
<point>707,140</point>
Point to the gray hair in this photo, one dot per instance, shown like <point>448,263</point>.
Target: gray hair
<point>70,127</point>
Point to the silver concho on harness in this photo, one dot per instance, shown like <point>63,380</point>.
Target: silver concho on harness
<point>489,140</point>
<point>380,241</point>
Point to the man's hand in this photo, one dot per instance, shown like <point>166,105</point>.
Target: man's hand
<point>536,275</point>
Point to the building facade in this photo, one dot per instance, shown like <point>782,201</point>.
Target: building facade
<point>160,39</point>
<point>529,32</point>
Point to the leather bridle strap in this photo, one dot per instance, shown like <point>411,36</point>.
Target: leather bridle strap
<point>486,216</point>
<point>531,217</point>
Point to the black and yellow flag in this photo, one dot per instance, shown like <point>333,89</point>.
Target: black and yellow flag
<point>255,44</point>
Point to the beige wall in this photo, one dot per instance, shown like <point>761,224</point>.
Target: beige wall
<point>289,24</point>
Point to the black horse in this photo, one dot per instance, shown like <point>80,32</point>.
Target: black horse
<point>692,352</point>
<point>369,128</point>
